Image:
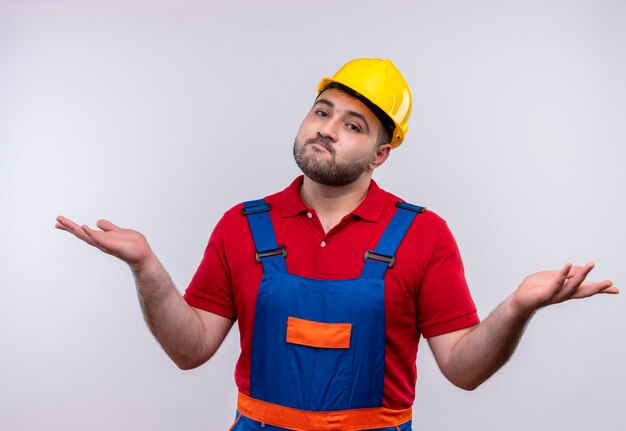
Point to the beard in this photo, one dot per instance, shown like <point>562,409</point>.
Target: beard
<point>330,172</point>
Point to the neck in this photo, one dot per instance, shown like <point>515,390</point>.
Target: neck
<point>333,203</point>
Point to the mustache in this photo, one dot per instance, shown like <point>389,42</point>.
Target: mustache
<point>324,140</point>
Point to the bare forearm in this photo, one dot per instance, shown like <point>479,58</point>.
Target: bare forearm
<point>188,335</point>
<point>470,356</point>
<point>171,320</point>
<point>487,347</point>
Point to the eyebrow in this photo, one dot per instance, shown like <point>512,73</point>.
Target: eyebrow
<point>349,112</point>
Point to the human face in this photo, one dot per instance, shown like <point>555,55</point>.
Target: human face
<point>337,141</point>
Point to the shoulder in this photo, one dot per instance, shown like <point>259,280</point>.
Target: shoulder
<point>235,213</point>
<point>428,233</point>
<point>233,220</point>
<point>427,219</point>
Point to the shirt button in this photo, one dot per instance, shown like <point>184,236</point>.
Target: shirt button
<point>323,244</point>
<point>309,215</point>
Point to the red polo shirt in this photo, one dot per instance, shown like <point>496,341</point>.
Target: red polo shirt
<point>425,291</point>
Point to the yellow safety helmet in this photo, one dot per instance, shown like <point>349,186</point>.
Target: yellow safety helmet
<point>380,83</point>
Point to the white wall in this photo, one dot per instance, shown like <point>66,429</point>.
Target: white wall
<point>160,115</point>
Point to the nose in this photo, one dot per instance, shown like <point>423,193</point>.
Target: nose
<point>329,128</point>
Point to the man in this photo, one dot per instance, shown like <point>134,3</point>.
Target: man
<point>333,280</point>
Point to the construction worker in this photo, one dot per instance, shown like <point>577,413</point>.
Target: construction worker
<point>333,280</point>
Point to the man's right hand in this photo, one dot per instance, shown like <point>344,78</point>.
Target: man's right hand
<point>190,336</point>
<point>127,244</point>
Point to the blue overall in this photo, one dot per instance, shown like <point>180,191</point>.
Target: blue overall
<point>289,372</point>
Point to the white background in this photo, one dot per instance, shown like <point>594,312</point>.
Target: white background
<point>161,115</point>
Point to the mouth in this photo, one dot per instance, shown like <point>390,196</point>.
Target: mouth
<point>320,145</point>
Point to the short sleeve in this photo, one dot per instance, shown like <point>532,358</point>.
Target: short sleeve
<point>444,303</point>
<point>210,288</point>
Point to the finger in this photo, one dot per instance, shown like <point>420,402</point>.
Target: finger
<point>573,271</point>
<point>585,270</point>
<point>71,227</point>
<point>557,283</point>
<point>573,285</point>
<point>563,275</point>
<point>106,225</point>
<point>612,290</point>
<point>68,224</point>
<point>588,289</point>
<point>96,238</point>
<point>64,223</point>
<point>93,234</point>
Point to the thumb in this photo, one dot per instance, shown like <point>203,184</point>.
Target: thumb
<point>106,225</point>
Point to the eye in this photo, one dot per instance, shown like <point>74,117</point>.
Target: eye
<point>321,113</point>
<point>353,127</point>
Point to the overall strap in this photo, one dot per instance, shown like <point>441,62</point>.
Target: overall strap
<point>384,256</point>
<point>268,252</point>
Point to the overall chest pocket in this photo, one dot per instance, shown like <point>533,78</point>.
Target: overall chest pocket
<point>318,359</point>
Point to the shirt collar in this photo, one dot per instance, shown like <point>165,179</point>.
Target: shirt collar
<point>370,209</point>
<point>292,203</point>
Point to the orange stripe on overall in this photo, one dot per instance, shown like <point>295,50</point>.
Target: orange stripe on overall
<point>305,420</point>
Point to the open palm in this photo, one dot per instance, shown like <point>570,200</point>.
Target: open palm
<point>127,244</point>
<point>551,287</point>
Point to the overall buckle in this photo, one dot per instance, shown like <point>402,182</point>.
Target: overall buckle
<point>389,260</point>
<point>407,206</point>
<point>258,208</point>
<point>269,253</point>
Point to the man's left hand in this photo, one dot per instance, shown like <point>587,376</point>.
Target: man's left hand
<point>551,287</point>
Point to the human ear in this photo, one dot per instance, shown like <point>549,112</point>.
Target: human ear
<point>382,152</point>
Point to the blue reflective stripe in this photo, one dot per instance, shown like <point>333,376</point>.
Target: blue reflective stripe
<point>263,234</point>
<point>389,242</point>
